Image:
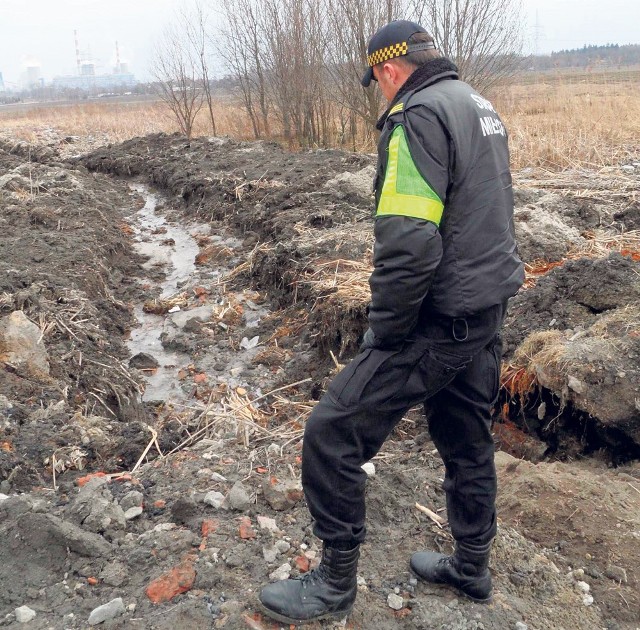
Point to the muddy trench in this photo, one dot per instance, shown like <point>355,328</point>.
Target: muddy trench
<point>536,426</point>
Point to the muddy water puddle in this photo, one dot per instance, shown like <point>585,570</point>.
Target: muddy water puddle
<point>172,247</point>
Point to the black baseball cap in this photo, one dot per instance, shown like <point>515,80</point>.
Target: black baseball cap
<point>392,40</point>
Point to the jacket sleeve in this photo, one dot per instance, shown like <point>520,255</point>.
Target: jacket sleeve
<point>408,246</point>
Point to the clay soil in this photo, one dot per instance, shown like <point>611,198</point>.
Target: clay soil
<point>284,248</point>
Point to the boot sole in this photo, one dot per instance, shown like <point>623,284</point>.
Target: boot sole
<point>475,600</point>
<point>338,616</point>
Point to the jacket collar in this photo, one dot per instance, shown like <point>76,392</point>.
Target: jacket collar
<point>422,77</point>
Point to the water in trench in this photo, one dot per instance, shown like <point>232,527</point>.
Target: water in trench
<point>151,231</point>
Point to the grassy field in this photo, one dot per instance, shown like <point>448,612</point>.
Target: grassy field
<point>555,121</point>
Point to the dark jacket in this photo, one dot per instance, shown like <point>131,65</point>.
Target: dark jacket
<point>444,235</point>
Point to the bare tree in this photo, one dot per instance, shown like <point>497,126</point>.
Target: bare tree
<point>241,44</point>
<point>483,38</point>
<point>178,80</point>
<point>351,24</point>
<point>295,35</point>
<point>195,23</point>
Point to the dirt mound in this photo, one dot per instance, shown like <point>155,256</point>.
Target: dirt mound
<point>225,549</point>
<point>576,334</point>
<point>65,265</point>
<point>582,514</point>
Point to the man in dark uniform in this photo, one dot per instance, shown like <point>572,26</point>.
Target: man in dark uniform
<point>445,264</point>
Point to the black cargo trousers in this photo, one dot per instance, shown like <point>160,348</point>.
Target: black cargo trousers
<point>451,366</point>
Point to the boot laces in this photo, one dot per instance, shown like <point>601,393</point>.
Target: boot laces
<point>445,560</point>
<point>310,578</point>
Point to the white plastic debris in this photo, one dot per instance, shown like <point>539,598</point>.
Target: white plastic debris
<point>370,469</point>
<point>247,344</point>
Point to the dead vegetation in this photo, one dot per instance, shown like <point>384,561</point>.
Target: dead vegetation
<point>555,126</point>
<point>596,244</point>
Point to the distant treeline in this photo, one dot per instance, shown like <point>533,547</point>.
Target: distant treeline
<point>609,55</point>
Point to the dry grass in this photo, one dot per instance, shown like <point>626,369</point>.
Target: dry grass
<point>555,121</point>
<point>346,281</point>
<point>575,122</point>
<point>113,121</point>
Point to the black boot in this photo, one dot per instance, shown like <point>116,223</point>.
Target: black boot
<point>467,570</point>
<point>326,592</point>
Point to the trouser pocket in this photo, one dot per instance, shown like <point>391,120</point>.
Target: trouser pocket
<point>434,371</point>
<point>348,386</point>
<point>390,379</point>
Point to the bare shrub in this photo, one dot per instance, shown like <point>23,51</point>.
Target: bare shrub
<point>483,38</point>
<point>177,71</point>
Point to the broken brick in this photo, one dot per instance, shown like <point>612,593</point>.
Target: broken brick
<point>302,562</point>
<point>81,481</point>
<point>209,526</point>
<point>178,580</point>
<point>246,531</point>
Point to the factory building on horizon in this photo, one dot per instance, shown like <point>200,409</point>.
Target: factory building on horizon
<point>88,80</point>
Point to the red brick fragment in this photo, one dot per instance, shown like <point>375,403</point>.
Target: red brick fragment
<point>81,481</point>
<point>178,580</point>
<point>246,531</point>
<point>302,562</point>
<point>209,526</point>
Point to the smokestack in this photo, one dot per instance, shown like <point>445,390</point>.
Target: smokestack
<point>117,59</point>
<point>75,34</point>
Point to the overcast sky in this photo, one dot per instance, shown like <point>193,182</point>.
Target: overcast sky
<point>40,32</point>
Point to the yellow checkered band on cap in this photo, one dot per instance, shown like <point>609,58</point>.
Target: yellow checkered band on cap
<point>388,52</point>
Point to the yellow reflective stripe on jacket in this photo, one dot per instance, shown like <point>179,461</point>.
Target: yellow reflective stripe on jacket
<point>405,192</point>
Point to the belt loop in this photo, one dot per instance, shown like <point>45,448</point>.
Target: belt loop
<point>466,329</point>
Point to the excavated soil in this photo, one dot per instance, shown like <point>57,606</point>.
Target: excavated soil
<point>202,463</point>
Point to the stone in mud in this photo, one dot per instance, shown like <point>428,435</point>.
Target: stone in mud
<point>238,497</point>
<point>143,361</point>
<point>281,494</point>
<point>48,532</point>
<point>270,553</point>
<point>131,499</point>
<point>114,574</point>
<point>95,509</point>
<point>264,522</point>
<point>394,601</point>
<point>133,512</point>
<point>21,344</point>
<point>215,499</point>
<point>184,510</point>
<point>103,613</point>
<point>182,318</point>
<point>24,614</point>
<point>281,573</point>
